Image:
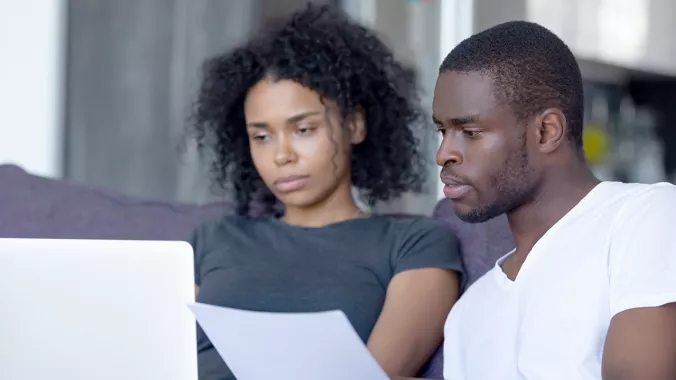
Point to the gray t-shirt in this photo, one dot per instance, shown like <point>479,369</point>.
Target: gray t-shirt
<point>263,264</point>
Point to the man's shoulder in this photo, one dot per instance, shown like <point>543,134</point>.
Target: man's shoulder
<point>629,198</point>
<point>657,192</point>
<point>620,197</point>
<point>622,211</point>
<point>625,192</point>
<point>647,205</point>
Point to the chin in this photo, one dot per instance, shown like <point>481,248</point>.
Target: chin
<point>462,210</point>
<point>474,215</point>
<point>298,199</point>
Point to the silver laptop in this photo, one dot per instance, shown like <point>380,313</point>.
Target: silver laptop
<point>94,309</point>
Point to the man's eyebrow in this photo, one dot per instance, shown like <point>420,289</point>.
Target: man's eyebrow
<point>458,121</point>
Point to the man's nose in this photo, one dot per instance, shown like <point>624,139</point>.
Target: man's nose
<point>449,152</point>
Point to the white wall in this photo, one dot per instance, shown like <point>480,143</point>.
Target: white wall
<point>421,32</point>
<point>411,29</point>
<point>631,34</point>
<point>32,39</point>
<point>456,24</point>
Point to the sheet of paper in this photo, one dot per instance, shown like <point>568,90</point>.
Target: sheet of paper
<point>281,346</point>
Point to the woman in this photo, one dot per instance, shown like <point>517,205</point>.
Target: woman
<point>294,119</point>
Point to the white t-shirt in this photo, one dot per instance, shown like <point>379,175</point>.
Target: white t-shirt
<point>615,250</point>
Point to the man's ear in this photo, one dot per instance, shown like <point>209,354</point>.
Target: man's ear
<point>356,126</point>
<point>551,130</point>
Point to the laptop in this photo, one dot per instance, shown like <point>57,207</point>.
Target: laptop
<point>96,309</point>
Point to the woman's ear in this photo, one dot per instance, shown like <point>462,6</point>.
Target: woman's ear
<point>357,126</point>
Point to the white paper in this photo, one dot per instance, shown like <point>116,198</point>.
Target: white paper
<point>298,346</point>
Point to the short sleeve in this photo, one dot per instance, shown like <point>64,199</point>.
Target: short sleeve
<point>642,257</point>
<point>427,243</point>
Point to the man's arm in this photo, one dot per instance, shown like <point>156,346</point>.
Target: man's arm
<point>641,339</point>
<point>641,344</point>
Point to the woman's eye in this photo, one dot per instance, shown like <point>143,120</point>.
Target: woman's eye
<point>261,137</point>
<point>304,131</point>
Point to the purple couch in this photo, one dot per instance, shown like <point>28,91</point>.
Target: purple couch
<point>35,207</point>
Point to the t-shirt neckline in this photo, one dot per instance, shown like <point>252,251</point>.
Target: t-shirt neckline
<point>581,206</point>
<point>338,224</point>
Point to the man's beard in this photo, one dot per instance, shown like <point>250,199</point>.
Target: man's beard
<point>514,185</point>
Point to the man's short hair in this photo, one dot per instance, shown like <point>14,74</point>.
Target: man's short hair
<point>532,70</point>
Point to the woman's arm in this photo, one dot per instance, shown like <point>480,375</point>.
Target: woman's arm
<point>411,324</point>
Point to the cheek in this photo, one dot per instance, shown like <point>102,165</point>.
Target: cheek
<point>326,156</point>
<point>513,176</point>
<point>263,160</point>
<point>487,170</point>
<point>311,148</point>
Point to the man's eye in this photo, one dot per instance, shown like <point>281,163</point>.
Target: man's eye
<point>472,134</point>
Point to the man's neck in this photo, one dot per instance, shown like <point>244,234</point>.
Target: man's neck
<point>555,198</point>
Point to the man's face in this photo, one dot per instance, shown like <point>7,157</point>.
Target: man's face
<point>484,153</point>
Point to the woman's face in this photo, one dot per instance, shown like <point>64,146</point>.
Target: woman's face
<point>298,144</point>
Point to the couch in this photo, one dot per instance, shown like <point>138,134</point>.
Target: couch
<point>36,207</point>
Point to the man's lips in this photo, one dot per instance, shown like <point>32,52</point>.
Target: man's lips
<point>454,189</point>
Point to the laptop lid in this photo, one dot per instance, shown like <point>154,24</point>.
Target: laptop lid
<point>96,309</point>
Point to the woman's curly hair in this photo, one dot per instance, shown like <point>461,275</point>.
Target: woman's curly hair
<point>322,49</point>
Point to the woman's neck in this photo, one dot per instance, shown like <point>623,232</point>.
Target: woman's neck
<point>338,207</point>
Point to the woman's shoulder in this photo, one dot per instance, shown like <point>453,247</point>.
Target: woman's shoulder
<point>424,242</point>
<point>407,225</point>
<point>211,225</point>
<point>396,228</point>
<point>415,232</point>
<point>225,226</point>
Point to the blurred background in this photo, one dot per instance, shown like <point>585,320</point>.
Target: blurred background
<point>98,91</point>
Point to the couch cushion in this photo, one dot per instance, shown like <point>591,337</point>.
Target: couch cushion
<point>481,243</point>
<point>36,207</point>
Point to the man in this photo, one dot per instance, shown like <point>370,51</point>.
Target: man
<point>590,290</point>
